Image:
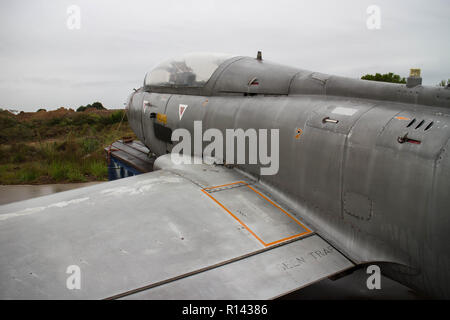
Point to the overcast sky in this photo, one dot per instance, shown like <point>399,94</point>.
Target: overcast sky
<point>44,64</point>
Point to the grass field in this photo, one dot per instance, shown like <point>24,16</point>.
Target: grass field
<point>58,146</point>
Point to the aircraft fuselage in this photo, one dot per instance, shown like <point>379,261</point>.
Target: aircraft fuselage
<point>372,176</point>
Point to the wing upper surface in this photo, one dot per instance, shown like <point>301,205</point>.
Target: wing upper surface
<point>164,234</point>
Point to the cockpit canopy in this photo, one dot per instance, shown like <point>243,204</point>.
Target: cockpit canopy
<point>190,70</point>
<point>218,74</point>
<point>209,74</point>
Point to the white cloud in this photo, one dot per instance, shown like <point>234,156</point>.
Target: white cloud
<point>43,64</point>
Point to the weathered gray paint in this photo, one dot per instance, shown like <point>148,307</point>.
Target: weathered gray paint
<point>146,231</point>
<point>283,269</point>
<point>375,199</point>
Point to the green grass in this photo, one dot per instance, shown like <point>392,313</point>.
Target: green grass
<point>97,169</point>
<point>29,174</point>
<point>58,150</point>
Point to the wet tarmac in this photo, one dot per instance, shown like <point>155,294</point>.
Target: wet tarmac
<point>13,193</point>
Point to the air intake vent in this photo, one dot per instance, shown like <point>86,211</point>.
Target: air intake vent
<point>420,124</point>
<point>429,126</point>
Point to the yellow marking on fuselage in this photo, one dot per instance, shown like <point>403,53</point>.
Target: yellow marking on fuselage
<point>161,118</point>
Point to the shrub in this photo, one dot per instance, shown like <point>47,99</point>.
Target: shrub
<point>388,77</point>
<point>29,174</point>
<point>96,105</point>
<point>97,169</point>
<point>74,174</point>
<point>58,171</point>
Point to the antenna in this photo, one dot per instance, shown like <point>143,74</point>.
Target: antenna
<point>259,56</point>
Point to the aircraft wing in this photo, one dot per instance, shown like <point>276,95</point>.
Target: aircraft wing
<point>183,232</point>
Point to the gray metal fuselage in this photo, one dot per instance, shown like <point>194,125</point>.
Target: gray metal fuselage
<point>375,197</point>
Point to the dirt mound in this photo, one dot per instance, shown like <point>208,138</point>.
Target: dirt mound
<point>7,113</point>
<point>59,113</point>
